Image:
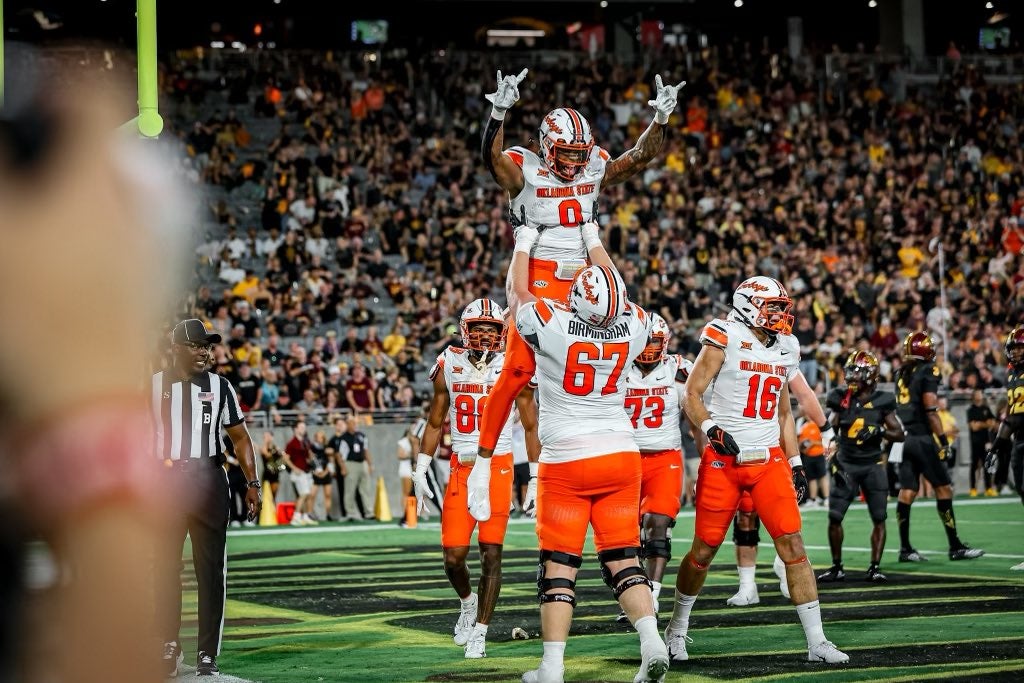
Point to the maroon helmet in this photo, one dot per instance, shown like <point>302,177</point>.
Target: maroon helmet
<point>1015,345</point>
<point>861,371</point>
<point>919,346</point>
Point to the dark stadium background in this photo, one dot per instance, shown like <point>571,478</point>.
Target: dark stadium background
<point>325,24</point>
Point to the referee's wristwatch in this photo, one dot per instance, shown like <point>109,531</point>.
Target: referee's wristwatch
<point>255,484</point>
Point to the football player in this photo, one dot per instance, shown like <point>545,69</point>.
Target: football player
<point>926,448</point>
<point>589,471</point>
<point>555,193</point>
<point>749,358</point>
<point>462,378</point>
<point>863,418</point>
<point>1011,429</point>
<point>654,401</point>
<point>746,527</point>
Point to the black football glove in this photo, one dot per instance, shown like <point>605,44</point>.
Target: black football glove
<point>999,447</point>
<point>838,473</point>
<point>800,484</point>
<point>722,441</point>
<point>868,433</point>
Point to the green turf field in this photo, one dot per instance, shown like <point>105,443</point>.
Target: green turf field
<point>371,603</point>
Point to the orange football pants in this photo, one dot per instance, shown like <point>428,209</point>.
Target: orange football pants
<point>661,486</point>
<point>721,483</point>
<point>456,522</point>
<point>603,492</point>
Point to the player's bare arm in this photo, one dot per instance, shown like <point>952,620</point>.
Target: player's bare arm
<point>893,428</point>
<point>439,404</point>
<point>931,407</point>
<point>505,171</point>
<point>651,140</point>
<point>705,369</point>
<point>528,417</point>
<point>787,425</point>
<point>804,395</point>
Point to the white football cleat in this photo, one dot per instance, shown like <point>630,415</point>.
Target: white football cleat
<point>826,652</point>
<point>780,571</point>
<point>1017,567</point>
<point>476,647</point>
<point>675,642</point>
<point>467,620</point>
<point>744,597</point>
<point>544,675</point>
<point>653,663</point>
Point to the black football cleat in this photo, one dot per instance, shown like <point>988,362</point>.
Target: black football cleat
<point>875,576</point>
<point>911,555</point>
<point>206,665</point>
<point>834,573</point>
<point>965,553</point>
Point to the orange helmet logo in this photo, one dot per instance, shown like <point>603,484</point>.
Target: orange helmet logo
<point>555,128</point>
<point>588,289</point>
<point>756,286</point>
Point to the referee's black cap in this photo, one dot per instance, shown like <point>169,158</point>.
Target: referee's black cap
<point>193,330</point>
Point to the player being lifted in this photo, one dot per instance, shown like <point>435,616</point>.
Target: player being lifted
<point>1011,429</point>
<point>462,378</point>
<point>556,192</point>
<point>751,434</point>
<point>926,447</point>
<point>863,417</point>
<point>589,471</point>
<point>654,401</point>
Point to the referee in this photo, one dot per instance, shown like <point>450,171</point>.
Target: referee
<point>190,406</point>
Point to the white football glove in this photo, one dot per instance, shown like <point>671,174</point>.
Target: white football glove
<point>530,501</point>
<point>506,95</point>
<point>526,237</point>
<point>828,435</point>
<point>420,487</point>
<point>591,236</point>
<point>478,488</point>
<point>664,101</point>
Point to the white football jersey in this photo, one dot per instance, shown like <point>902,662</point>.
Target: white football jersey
<point>468,387</point>
<point>745,394</point>
<point>547,201</point>
<point>654,403</point>
<point>581,378</point>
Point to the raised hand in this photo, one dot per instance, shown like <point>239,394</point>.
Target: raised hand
<point>665,98</point>
<point>507,93</point>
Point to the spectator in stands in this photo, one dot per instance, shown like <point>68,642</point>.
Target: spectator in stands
<point>360,390</point>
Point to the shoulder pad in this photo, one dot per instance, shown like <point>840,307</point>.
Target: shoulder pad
<point>603,154</point>
<point>437,367</point>
<point>517,155</point>
<point>715,334</point>
<point>835,398</point>
<point>542,311</point>
<point>886,401</point>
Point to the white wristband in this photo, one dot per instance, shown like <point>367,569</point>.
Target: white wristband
<point>498,114</point>
<point>534,468</point>
<point>660,117</point>
<point>796,461</point>
<point>707,424</point>
<point>423,461</point>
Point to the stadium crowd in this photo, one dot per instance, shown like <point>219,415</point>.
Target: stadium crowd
<point>343,242</point>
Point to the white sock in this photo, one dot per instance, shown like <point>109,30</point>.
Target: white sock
<point>480,628</point>
<point>647,629</point>
<point>746,577</point>
<point>681,612</point>
<point>810,619</point>
<point>465,601</point>
<point>655,589</point>
<point>554,655</point>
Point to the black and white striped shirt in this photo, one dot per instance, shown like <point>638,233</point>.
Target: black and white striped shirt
<point>189,413</point>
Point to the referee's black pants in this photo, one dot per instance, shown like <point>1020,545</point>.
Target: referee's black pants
<point>203,515</point>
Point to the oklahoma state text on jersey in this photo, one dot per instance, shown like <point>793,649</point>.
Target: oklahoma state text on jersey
<point>745,394</point>
<point>653,403</point>
<point>468,388</point>
<point>581,379</point>
<point>549,202</point>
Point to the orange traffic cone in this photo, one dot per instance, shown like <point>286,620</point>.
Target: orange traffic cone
<point>381,508</point>
<point>410,512</point>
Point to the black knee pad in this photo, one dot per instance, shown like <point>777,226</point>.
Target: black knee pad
<point>606,556</point>
<point>545,584</point>
<point>750,537</point>
<point>657,547</point>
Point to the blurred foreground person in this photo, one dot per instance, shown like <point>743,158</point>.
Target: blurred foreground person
<point>87,278</point>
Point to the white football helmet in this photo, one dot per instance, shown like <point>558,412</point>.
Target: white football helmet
<point>566,142</point>
<point>763,302</point>
<point>482,337</point>
<point>657,342</point>
<point>598,296</point>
